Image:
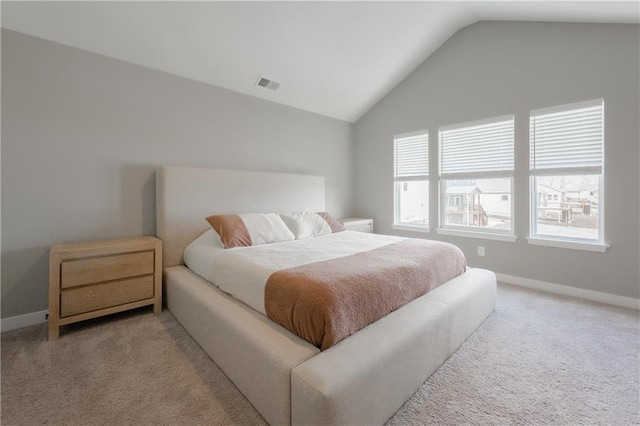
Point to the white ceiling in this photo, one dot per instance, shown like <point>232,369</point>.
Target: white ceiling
<point>332,58</point>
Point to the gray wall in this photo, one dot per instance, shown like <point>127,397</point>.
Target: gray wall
<point>82,134</point>
<point>491,69</point>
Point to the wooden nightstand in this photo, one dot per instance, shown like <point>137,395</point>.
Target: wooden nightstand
<point>88,280</point>
<point>358,224</point>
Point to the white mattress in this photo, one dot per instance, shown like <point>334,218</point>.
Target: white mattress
<point>242,272</point>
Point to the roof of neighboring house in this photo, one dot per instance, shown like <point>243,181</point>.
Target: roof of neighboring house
<point>544,189</point>
<point>581,187</point>
<point>468,190</point>
<point>566,184</point>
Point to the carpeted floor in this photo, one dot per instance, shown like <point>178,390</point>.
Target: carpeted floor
<point>538,359</point>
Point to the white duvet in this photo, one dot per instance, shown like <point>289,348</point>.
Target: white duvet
<point>242,272</point>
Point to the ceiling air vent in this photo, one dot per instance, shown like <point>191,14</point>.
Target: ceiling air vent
<point>268,84</point>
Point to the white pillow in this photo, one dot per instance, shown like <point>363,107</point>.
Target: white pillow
<point>266,228</point>
<point>306,224</point>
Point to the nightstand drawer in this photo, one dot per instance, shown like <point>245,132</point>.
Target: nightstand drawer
<point>106,268</point>
<point>358,224</point>
<point>89,298</point>
<point>361,228</point>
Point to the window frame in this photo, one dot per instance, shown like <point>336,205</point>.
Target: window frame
<point>474,231</point>
<point>534,238</point>
<point>397,181</point>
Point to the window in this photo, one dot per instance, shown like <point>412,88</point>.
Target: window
<point>566,162</point>
<point>476,177</point>
<point>412,180</point>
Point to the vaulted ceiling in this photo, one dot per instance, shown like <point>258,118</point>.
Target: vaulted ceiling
<point>332,58</point>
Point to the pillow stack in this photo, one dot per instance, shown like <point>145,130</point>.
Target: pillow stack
<point>253,229</point>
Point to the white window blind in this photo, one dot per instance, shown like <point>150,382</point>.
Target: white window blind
<point>567,139</point>
<point>472,148</point>
<point>412,156</point>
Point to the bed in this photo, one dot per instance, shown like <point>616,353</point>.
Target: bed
<point>363,379</point>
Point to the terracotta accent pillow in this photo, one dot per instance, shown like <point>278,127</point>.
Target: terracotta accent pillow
<point>334,224</point>
<point>250,229</point>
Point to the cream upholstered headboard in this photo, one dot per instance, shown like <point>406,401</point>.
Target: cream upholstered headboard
<point>185,196</point>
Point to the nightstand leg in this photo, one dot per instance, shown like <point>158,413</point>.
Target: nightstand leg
<point>157,306</point>
<point>54,331</point>
<point>54,295</point>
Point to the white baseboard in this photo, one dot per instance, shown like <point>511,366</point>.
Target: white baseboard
<point>596,296</point>
<point>25,320</point>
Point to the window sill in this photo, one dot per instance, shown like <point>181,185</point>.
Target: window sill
<point>474,234</point>
<point>575,245</point>
<point>414,228</point>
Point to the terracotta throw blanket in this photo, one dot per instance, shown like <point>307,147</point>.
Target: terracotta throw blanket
<point>325,302</point>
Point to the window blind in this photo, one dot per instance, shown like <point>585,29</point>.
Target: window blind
<point>567,139</point>
<point>486,147</point>
<point>412,156</point>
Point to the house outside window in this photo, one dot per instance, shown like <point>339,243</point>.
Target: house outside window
<point>476,178</point>
<point>411,175</point>
<point>566,167</point>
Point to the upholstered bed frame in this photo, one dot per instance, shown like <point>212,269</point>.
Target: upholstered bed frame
<point>363,379</point>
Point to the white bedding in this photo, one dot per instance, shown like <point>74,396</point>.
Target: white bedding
<point>242,272</point>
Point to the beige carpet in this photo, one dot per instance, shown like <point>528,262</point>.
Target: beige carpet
<point>539,359</point>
